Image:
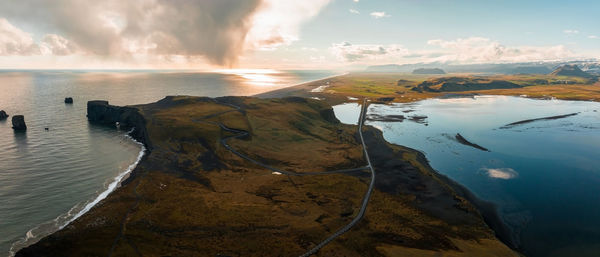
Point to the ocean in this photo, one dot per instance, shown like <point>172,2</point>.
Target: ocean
<point>50,177</point>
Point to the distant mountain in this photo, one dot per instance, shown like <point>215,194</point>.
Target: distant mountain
<point>428,71</point>
<point>457,84</point>
<point>531,70</point>
<point>489,68</point>
<point>570,70</point>
<point>589,66</point>
<point>386,68</point>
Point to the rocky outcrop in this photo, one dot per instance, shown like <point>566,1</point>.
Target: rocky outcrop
<point>385,99</point>
<point>3,115</point>
<point>18,123</point>
<point>69,100</point>
<point>100,112</point>
<point>329,115</point>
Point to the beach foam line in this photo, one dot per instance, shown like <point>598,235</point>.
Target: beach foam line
<point>111,187</point>
<point>31,238</point>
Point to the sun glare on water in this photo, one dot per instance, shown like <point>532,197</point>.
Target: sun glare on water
<point>255,77</point>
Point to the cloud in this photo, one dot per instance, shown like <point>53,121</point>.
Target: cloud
<point>219,31</point>
<point>277,22</point>
<point>14,41</point>
<point>351,53</point>
<point>354,11</point>
<point>356,1</point>
<point>379,15</point>
<point>570,31</point>
<point>593,37</point>
<point>482,50</point>
<point>501,173</point>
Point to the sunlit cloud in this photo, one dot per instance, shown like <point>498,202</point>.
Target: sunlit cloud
<point>367,52</point>
<point>482,50</point>
<point>16,42</point>
<point>379,15</point>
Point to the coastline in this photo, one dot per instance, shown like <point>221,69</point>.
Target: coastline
<point>65,219</point>
<point>122,178</point>
<point>487,211</point>
<point>110,223</point>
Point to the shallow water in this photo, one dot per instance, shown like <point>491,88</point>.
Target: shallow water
<point>544,175</point>
<point>48,177</point>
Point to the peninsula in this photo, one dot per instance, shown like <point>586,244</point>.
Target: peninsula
<point>233,176</point>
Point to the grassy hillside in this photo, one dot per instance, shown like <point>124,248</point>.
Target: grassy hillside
<point>402,87</point>
<point>192,197</point>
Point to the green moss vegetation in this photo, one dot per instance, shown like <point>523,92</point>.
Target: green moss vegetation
<point>398,86</point>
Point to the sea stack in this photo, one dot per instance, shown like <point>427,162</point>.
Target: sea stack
<point>69,100</point>
<point>3,115</point>
<point>18,122</point>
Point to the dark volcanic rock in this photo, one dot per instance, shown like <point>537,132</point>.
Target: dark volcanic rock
<point>18,122</point>
<point>386,99</point>
<point>3,115</point>
<point>385,118</point>
<point>100,112</point>
<point>69,100</point>
<point>466,142</point>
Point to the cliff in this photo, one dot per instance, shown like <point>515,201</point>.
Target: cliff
<point>100,112</point>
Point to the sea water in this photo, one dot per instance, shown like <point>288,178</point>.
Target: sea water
<point>49,177</point>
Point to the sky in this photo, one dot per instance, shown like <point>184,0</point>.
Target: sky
<point>292,34</point>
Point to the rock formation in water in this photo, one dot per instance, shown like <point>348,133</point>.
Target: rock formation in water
<point>464,141</point>
<point>100,112</point>
<point>69,100</point>
<point>18,122</point>
<point>3,115</point>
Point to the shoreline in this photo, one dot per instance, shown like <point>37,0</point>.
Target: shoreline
<point>121,178</point>
<point>446,204</point>
<point>488,210</point>
<point>68,217</point>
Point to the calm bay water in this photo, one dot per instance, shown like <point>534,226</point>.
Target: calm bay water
<point>48,177</point>
<point>544,175</point>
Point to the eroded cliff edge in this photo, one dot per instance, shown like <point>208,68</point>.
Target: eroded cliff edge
<point>190,196</point>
